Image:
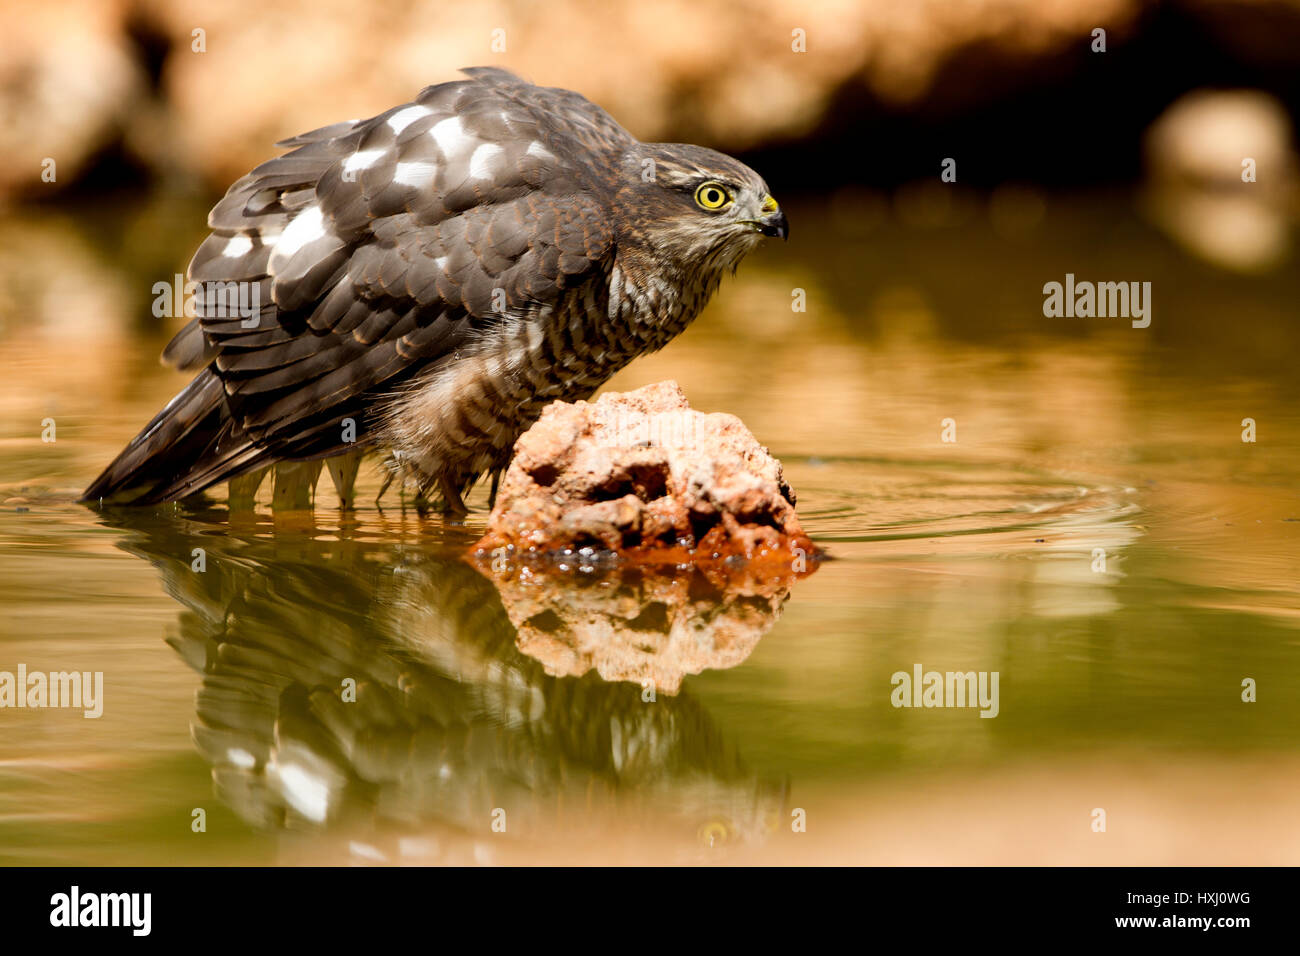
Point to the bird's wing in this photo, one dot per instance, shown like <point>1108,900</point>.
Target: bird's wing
<point>376,246</point>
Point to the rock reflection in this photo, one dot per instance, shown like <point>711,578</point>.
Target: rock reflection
<point>648,624</point>
<point>451,726</point>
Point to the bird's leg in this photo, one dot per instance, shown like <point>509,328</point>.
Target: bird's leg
<point>492,493</point>
<point>343,471</point>
<point>388,480</point>
<point>452,504</point>
<point>242,491</point>
<point>422,504</point>
<point>392,468</point>
<point>295,484</point>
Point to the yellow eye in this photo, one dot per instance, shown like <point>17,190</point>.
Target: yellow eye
<point>712,196</point>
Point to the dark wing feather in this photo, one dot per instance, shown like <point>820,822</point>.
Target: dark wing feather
<point>376,246</point>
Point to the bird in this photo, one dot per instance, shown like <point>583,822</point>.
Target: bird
<point>424,282</point>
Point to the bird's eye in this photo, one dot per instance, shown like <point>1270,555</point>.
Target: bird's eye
<point>712,196</point>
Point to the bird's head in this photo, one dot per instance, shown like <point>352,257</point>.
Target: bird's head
<point>694,207</point>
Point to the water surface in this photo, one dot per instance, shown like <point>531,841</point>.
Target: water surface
<point>1098,534</point>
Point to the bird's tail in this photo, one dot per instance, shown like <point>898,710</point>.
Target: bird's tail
<point>191,444</point>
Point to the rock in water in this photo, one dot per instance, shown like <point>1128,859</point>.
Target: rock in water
<point>644,476</point>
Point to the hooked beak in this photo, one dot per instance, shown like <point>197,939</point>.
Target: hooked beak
<point>774,223</point>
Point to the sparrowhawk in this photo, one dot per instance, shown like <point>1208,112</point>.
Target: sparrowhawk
<point>434,276</point>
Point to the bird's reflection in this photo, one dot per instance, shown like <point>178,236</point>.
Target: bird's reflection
<point>351,683</point>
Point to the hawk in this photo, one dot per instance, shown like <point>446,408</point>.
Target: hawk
<point>426,281</point>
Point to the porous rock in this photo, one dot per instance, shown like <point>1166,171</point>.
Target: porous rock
<point>643,475</point>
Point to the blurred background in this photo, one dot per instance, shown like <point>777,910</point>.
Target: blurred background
<point>123,120</point>
<point>1105,139</point>
<point>191,93</point>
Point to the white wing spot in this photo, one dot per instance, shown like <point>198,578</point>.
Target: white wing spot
<point>363,159</point>
<point>451,136</point>
<point>484,158</point>
<point>241,758</point>
<point>404,118</point>
<point>541,152</point>
<point>417,175</point>
<point>306,792</point>
<point>307,227</point>
<point>238,246</point>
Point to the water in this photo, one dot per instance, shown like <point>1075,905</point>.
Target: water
<point>1098,534</point>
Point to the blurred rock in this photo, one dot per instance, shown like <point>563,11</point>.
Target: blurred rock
<point>69,80</point>
<point>645,476</point>
<point>1195,156</point>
